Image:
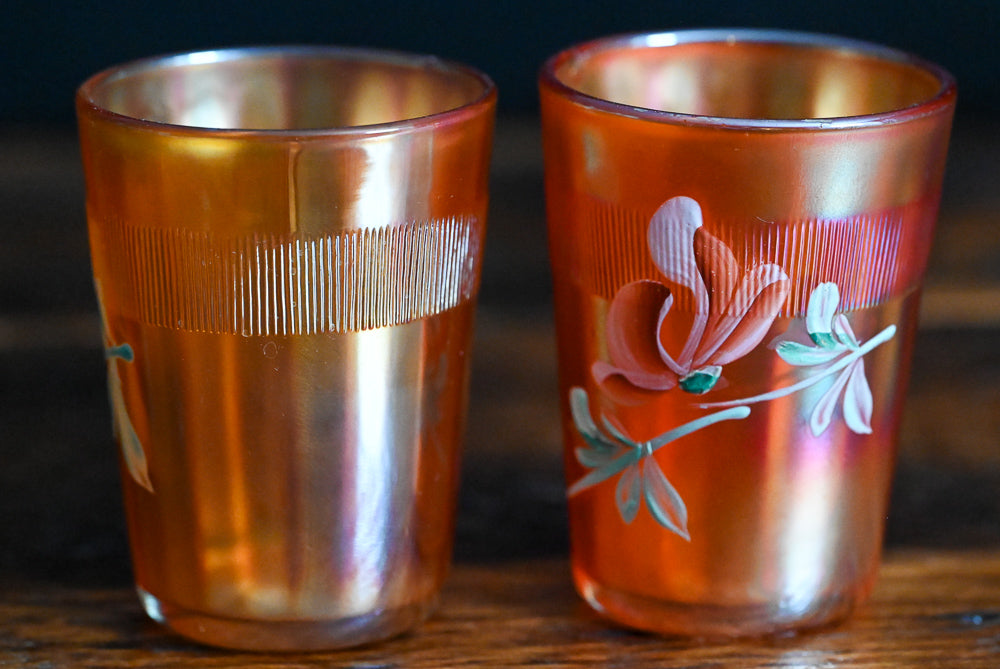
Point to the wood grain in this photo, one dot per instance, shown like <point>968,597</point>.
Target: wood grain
<point>929,610</point>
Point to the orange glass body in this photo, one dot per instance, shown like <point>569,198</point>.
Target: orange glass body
<point>739,223</point>
<point>286,247</point>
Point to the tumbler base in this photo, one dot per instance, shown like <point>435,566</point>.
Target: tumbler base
<point>285,635</point>
<point>712,622</point>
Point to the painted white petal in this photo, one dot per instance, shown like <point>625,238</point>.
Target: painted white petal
<point>628,493</point>
<point>663,500</point>
<point>822,413</point>
<point>823,302</point>
<point>671,240</point>
<point>858,402</point>
<point>845,333</point>
<point>671,245</point>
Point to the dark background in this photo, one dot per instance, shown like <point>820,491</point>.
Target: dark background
<point>48,47</point>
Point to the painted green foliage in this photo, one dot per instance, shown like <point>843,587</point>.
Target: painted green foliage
<point>734,310</point>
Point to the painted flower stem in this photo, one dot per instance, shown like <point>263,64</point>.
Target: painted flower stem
<point>879,339</point>
<point>644,449</point>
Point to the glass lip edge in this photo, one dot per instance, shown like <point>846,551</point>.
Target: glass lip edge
<point>486,97</point>
<point>946,92</point>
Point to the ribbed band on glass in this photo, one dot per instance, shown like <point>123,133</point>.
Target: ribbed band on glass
<point>870,256</point>
<point>293,284</point>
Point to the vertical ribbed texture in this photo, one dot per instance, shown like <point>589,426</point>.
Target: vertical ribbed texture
<point>612,250</point>
<point>286,285</point>
<point>870,257</point>
<point>860,254</point>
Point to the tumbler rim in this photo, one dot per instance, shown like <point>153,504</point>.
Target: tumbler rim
<point>85,93</point>
<point>942,98</point>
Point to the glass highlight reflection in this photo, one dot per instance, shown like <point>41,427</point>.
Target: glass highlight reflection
<point>380,451</point>
<point>283,278</point>
<point>715,247</point>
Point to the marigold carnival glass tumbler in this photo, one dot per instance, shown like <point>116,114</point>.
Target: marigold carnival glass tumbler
<point>739,222</point>
<point>286,246</point>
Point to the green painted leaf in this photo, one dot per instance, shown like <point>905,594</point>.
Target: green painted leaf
<point>122,352</point>
<point>628,493</point>
<point>580,408</point>
<point>594,458</point>
<point>802,355</point>
<point>663,500</point>
<point>824,340</point>
<point>602,474</point>
<point>702,380</point>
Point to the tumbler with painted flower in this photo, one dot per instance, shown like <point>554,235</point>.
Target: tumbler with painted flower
<point>739,222</point>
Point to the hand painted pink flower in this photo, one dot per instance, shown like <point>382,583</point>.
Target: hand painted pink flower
<point>733,310</point>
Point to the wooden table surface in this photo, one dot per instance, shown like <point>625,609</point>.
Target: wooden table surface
<point>65,594</point>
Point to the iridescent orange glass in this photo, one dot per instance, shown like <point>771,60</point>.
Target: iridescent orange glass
<point>286,247</point>
<point>739,223</point>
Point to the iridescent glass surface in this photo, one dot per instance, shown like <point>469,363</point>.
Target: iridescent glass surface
<point>286,247</point>
<point>739,222</point>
